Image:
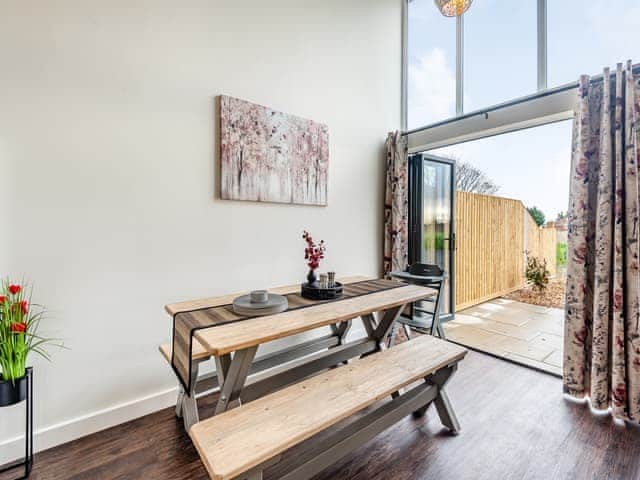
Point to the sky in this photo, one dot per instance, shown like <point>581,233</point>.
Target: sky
<point>500,65</point>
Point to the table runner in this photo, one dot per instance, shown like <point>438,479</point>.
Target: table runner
<point>186,323</point>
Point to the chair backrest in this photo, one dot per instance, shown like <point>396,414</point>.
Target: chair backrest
<point>425,270</point>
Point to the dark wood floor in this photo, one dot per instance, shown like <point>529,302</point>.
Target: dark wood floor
<point>515,425</point>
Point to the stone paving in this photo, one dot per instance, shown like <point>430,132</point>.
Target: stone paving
<point>524,333</point>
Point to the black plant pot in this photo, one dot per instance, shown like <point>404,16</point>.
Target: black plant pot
<point>13,391</point>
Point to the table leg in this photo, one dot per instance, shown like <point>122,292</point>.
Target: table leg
<point>393,334</point>
<point>385,326</point>
<point>369,322</point>
<point>341,330</point>
<point>223,363</point>
<point>407,331</point>
<point>236,377</point>
<point>179,401</point>
<point>189,409</point>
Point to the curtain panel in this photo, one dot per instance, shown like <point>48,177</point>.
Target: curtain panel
<point>396,205</point>
<point>602,343</point>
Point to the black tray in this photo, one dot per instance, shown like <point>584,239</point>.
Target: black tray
<point>314,292</point>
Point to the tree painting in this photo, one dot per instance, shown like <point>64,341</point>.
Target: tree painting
<point>270,156</point>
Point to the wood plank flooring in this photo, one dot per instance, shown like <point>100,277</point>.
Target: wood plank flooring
<point>515,425</point>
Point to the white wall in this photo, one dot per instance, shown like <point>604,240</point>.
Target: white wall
<point>107,173</point>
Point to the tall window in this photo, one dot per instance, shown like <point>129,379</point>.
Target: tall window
<point>432,65</point>
<point>501,44</point>
<point>499,52</point>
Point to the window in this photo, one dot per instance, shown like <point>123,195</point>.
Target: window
<point>509,49</point>
<point>584,37</point>
<point>432,65</point>
<point>500,51</point>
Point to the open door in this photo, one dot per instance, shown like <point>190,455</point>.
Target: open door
<point>432,219</point>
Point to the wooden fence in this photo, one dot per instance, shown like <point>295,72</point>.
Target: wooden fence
<point>493,234</point>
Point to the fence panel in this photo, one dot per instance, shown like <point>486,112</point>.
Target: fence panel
<point>492,235</point>
<point>490,246</point>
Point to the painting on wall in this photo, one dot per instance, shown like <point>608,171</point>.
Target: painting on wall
<point>270,156</point>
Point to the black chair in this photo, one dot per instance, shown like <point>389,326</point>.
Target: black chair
<point>427,276</point>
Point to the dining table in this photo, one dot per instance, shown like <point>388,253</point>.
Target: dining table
<point>208,329</point>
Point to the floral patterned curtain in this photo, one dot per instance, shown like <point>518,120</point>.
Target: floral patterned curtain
<point>396,204</point>
<point>602,342</point>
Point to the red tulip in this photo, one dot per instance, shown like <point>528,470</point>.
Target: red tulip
<point>14,289</point>
<point>18,327</point>
<point>24,306</point>
<point>2,299</point>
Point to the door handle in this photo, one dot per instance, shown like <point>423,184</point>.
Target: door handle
<point>452,241</point>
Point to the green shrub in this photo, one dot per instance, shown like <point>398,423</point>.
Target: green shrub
<point>538,215</point>
<point>561,254</point>
<point>537,273</point>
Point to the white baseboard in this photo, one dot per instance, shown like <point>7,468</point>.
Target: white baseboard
<point>59,433</point>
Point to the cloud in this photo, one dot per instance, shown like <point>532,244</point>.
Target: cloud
<point>432,89</point>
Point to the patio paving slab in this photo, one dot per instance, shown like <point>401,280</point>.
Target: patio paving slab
<point>527,334</point>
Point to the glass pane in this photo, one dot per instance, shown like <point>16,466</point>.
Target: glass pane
<point>529,165</point>
<point>431,95</point>
<point>584,37</point>
<point>500,52</point>
<point>436,208</point>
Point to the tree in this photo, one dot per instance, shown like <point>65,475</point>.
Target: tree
<point>472,179</point>
<point>537,215</point>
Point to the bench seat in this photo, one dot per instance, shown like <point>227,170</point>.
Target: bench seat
<point>239,440</point>
<point>199,352</point>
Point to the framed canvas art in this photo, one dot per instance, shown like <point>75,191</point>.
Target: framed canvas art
<point>270,156</point>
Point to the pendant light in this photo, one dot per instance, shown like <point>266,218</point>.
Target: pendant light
<point>453,8</point>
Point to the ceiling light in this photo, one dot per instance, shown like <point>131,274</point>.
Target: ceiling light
<point>453,8</point>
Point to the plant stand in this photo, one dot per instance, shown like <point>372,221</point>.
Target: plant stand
<point>27,461</point>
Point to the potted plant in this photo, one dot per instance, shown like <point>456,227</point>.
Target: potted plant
<point>313,253</point>
<point>19,323</point>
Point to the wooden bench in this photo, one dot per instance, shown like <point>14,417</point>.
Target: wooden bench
<point>242,442</point>
<point>199,352</point>
<point>186,406</point>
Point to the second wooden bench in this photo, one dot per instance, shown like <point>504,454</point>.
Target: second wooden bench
<point>242,442</point>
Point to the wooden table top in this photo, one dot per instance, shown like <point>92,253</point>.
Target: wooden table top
<point>223,339</point>
<point>210,302</point>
